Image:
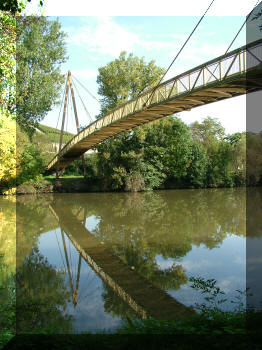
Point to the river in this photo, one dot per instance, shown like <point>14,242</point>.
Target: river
<point>86,262</point>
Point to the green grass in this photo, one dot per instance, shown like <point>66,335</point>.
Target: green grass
<point>48,177</point>
<point>200,324</point>
<point>54,134</point>
<point>5,338</point>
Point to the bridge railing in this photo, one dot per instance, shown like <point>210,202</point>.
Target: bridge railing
<point>220,69</point>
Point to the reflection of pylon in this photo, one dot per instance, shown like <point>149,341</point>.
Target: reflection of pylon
<point>73,291</point>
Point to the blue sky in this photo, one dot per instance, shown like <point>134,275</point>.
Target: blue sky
<point>93,41</point>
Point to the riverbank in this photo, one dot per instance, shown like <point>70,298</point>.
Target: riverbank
<point>70,185</point>
<point>52,185</point>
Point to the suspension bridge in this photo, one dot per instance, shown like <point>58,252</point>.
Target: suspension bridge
<point>235,73</point>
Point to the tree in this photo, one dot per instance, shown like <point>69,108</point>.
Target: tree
<point>120,160</point>
<point>124,79</point>
<point>174,137</point>
<point>208,131</point>
<point>196,172</point>
<point>7,60</point>
<point>218,148</point>
<point>238,157</point>
<point>15,6</point>
<point>7,148</point>
<point>254,158</point>
<point>40,51</point>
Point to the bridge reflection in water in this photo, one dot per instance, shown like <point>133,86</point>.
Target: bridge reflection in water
<point>144,298</point>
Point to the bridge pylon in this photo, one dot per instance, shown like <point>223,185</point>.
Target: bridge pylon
<point>69,85</point>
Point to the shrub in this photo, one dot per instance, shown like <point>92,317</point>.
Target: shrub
<point>134,182</point>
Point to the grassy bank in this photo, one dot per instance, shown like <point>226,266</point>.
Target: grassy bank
<point>209,323</point>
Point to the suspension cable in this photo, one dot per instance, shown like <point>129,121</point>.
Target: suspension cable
<point>154,89</point>
<point>72,113</point>
<point>71,263</point>
<point>247,17</point>
<point>88,114</point>
<point>60,108</point>
<point>60,252</point>
<point>85,89</point>
<point>67,111</point>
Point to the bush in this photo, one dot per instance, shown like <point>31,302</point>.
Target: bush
<point>134,182</point>
<point>7,147</point>
<point>31,165</point>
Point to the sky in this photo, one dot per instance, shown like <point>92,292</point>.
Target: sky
<point>98,32</point>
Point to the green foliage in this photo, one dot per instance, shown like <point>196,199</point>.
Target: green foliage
<point>224,323</point>
<point>8,297</point>
<point>41,297</point>
<point>124,79</point>
<point>196,172</point>
<point>7,60</point>
<point>7,305</point>
<point>210,319</point>
<point>53,135</point>
<point>32,164</point>
<point>254,158</point>
<point>14,6</point>
<point>167,153</point>
<point>208,132</point>
<point>40,51</point>
<point>208,287</point>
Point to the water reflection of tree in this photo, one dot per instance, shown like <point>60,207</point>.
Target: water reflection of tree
<point>7,237</point>
<point>41,296</point>
<point>32,218</point>
<point>116,306</point>
<point>140,226</point>
<point>254,212</point>
<point>7,298</point>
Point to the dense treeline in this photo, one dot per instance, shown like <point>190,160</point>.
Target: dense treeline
<point>169,154</point>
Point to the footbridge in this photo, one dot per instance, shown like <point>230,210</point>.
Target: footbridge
<point>235,73</point>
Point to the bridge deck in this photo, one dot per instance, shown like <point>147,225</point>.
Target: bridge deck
<point>218,79</point>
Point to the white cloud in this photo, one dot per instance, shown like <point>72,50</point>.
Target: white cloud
<point>94,58</point>
<point>87,74</point>
<point>231,283</point>
<point>196,266</point>
<point>165,264</point>
<point>226,285</point>
<point>107,37</point>
<point>198,53</point>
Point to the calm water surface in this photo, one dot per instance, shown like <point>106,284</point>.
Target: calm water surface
<point>86,262</point>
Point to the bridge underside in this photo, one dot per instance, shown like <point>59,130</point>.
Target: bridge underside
<point>180,94</point>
